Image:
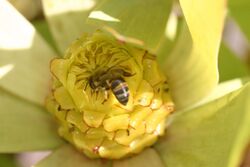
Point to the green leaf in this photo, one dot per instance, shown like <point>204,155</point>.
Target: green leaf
<point>7,160</point>
<point>213,135</point>
<point>24,57</point>
<point>67,156</point>
<point>66,19</point>
<point>147,158</point>
<point>239,10</point>
<point>43,28</point>
<point>205,21</point>
<point>141,22</point>
<point>227,60</point>
<point>191,67</point>
<point>25,126</point>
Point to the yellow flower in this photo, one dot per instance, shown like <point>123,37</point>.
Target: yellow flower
<point>205,131</point>
<point>111,99</point>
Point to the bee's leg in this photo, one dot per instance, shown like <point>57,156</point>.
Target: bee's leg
<point>86,86</point>
<point>106,96</point>
<point>93,92</point>
<point>97,92</point>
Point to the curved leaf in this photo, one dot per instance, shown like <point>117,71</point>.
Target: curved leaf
<point>24,57</point>
<point>67,156</point>
<point>141,22</point>
<point>205,21</point>
<point>192,65</point>
<point>67,19</point>
<point>215,134</point>
<point>24,126</point>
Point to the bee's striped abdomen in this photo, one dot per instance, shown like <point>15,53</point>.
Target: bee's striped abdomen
<point>120,89</point>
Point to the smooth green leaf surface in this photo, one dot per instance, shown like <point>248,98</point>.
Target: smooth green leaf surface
<point>43,28</point>
<point>226,61</point>
<point>147,158</point>
<point>67,18</point>
<point>213,135</point>
<point>24,57</point>
<point>141,22</point>
<point>25,126</point>
<point>205,21</point>
<point>67,156</point>
<point>239,10</point>
<point>191,67</point>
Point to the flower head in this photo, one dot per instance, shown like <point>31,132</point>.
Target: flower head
<point>111,99</point>
<point>92,112</point>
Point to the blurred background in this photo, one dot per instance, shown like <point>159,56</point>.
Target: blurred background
<point>233,61</point>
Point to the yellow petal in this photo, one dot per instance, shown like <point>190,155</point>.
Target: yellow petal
<point>92,118</point>
<point>116,122</point>
<point>144,94</point>
<point>63,98</point>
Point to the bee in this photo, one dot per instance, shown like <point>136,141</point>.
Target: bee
<point>112,79</point>
<point>120,89</point>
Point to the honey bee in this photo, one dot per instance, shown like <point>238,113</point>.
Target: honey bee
<point>112,79</point>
